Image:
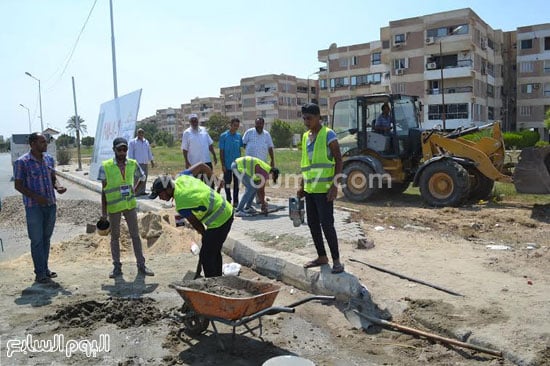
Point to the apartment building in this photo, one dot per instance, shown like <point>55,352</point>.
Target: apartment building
<point>231,100</point>
<point>533,76</point>
<point>451,60</point>
<point>274,97</point>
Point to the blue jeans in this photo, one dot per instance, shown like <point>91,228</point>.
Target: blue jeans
<point>40,224</point>
<point>249,191</point>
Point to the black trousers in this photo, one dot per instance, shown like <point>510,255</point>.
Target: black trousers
<point>320,219</point>
<point>211,249</point>
<point>229,176</point>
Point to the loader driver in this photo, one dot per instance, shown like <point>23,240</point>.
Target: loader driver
<point>205,209</point>
<point>383,122</point>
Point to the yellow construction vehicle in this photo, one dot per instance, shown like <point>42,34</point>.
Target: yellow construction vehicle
<point>448,168</point>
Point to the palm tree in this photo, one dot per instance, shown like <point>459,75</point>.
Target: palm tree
<point>71,125</point>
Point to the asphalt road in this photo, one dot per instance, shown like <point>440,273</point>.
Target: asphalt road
<point>16,242</point>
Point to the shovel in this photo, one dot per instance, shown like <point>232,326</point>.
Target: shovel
<point>359,319</point>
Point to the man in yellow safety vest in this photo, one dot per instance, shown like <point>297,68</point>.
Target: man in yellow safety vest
<point>121,178</point>
<point>321,169</point>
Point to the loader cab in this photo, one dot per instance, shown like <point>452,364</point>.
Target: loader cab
<point>354,122</point>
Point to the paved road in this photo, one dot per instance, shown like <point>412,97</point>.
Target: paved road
<point>16,242</point>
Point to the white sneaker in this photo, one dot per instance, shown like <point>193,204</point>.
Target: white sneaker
<point>242,214</point>
<point>250,210</point>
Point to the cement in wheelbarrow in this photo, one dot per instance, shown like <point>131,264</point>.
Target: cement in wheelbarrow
<point>230,297</point>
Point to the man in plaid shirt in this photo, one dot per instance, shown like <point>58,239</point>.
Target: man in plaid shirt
<point>35,178</point>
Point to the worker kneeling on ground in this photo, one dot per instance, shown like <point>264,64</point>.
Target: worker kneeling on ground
<point>204,208</point>
<point>254,173</point>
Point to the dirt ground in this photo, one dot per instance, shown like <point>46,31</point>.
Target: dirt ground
<point>506,298</point>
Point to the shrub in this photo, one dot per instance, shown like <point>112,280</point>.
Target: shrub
<point>281,133</point>
<point>542,143</point>
<point>520,139</point>
<point>63,157</point>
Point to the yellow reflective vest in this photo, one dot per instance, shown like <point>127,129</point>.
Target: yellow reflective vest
<point>247,165</point>
<point>319,172</point>
<point>190,193</point>
<point>119,191</point>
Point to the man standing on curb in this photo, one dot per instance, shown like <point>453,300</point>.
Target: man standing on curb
<point>35,178</point>
<point>196,144</point>
<point>321,169</point>
<point>139,149</point>
<point>118,177</point>
<point>230,145</point>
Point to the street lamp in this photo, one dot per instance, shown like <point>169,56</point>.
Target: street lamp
<point>28,114</point>
<point>39,101</point>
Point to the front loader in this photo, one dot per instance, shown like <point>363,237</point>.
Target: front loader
<point>448,168</point>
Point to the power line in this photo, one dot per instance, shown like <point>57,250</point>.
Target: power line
<point>69,57</point>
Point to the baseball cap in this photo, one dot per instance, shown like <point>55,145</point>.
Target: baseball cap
<point>159,185</point>
<point>120,141</point>
<point>193,115</point>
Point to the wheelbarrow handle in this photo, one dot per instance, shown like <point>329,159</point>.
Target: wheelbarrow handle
<point>311,298</point>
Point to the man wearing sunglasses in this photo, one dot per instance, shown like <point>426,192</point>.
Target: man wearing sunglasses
<point>121,178</point>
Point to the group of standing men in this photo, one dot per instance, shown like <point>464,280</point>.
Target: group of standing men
<point>124,176</point>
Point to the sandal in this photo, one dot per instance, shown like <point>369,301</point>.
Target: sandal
<point>337,268</point>
<point>315,263</point>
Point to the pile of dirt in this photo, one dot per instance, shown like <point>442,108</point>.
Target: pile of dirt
<point>123,312</point>
<point>77,212</point>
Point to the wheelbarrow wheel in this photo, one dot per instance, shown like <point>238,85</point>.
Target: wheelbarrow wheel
<point>194,324</point>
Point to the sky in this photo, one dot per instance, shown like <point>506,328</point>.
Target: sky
<point>176,50</point>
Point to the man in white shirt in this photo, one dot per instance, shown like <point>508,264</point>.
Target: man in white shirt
<point>139,149</point>
<point>258,143</point>
<point>196,144</point>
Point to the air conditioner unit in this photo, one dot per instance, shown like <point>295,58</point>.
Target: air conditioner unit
<point>431,65</point>
<point>430,40</point>
<point>536,86</point>
<point>399,71</point>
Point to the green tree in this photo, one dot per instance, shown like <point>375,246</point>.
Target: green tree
<point>281,133</point>
<point>72,127</point>
<point>64,140</point>
<point>216,125</point>
<point>88,141</point>
<point>164,138</point>
<point>547,122</point>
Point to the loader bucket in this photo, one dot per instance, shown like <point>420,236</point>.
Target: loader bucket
<point>532,174</point>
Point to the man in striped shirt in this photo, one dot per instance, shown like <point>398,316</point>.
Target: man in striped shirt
<point>35,178</point>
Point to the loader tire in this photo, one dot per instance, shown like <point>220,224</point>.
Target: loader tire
<point>480,186</point>
<point>357,186</point>
<point>444,183</point>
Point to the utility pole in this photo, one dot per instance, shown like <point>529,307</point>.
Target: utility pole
<point>77,126</point>
<point>113,53</point>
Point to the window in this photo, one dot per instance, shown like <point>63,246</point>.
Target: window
<point>323,84</point>
<point>527,88</point>
<point>446,31</point>
<point>399,38</point>
<point>452,111</point>
<point>400,63</point>
<point>374,78</point>
<point>376,58</point>
<point>339,82</point>
<point>490,91</point>
<point>546,43</point>
<point>526,67</point>
<point>490,113</point>
<point>343,62</point>
<point>547,66</point>
<point>525,110</point>
<point>399,88</point>
<point>547,89</point>
<point>353,61</point>
<point>526,44</point>
<point>353,80</point>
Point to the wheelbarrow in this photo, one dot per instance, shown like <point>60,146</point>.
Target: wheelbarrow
<point>241,302</point>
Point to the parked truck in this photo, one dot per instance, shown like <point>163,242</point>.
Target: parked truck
<point>448,168</point>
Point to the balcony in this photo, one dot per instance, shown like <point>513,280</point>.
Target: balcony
<point>451,90</point>
<point>461,69</point>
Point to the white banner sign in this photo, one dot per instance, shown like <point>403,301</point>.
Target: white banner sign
<point>117,118</point>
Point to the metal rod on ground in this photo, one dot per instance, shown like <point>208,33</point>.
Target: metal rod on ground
<point>436,337</point>
<point>408,278</point>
